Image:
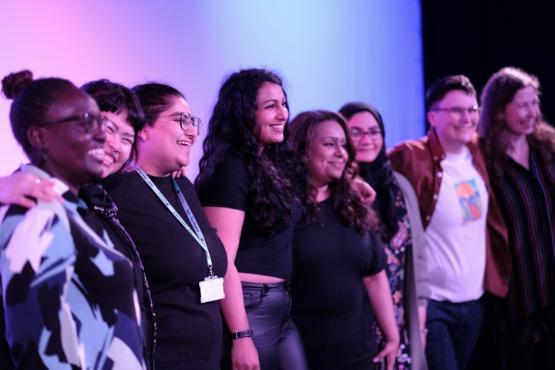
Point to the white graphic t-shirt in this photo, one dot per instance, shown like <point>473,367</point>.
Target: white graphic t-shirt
<point>456,234</point>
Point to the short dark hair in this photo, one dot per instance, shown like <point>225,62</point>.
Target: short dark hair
<point>116,98</point>
<point>31,101</point>
<point>444,85</point>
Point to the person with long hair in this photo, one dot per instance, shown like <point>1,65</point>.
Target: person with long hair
<point>519,147</point>
<point>339,277</point>
<point>183,258</point>
<point>246,186</point>
<point>400,228</point>
<point>57,257</point>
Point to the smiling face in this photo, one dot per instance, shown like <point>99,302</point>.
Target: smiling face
<point>165,146</point>
<point>367,136</point>
<point>271,114</point>
<point>454,129</point>
<point>72,154</point>
<point>327,155</point>
<point>523,112</point>
<point>120,136</point>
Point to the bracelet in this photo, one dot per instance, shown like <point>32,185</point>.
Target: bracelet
<point>241,334</point>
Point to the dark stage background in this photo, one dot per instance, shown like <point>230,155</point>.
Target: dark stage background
<point>478,37</point>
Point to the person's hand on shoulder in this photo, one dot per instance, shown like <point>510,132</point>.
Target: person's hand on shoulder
<point>365,191</point>
<point>25,189</point>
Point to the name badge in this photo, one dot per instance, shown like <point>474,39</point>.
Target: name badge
<point>211,289</point>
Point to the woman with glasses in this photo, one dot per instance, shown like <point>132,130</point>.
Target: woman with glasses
<point>338,279</point>
<point>519,148</point>
<point>246,185</point>
<point>121,110</point>
<point>183,258</point>
<point>124,118</point>
<point>56,259</point>
<point>400,229</point>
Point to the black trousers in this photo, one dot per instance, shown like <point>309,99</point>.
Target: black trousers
<point>275,335</point>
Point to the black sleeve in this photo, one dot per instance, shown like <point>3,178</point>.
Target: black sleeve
<point>378,259</point>
<point>227,186</point>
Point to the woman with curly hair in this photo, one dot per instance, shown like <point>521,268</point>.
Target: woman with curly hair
<point>519,148</point>
<point>400,229</point>
<point>247,190</point>
<point>339,276</point>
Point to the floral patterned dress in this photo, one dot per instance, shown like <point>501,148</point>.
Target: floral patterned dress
<point>396,248</point>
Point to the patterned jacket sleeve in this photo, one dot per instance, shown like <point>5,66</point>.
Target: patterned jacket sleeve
<point>37,259</point>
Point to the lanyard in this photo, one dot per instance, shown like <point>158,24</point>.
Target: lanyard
<point>197,234</point>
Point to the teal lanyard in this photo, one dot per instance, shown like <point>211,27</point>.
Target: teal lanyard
<point>197,234</point>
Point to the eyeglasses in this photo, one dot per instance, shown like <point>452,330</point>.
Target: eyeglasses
<point>358,133</point>
<point>459,111</point>
<point>89,122</point>
<point>187,120</point>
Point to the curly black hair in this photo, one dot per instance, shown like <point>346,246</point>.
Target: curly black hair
<point>346,201</point>
<point>272,189</point>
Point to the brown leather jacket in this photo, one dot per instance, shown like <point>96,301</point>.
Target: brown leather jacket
<point>420,162</point>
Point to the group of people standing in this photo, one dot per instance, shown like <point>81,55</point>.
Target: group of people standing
<point>278,256</point>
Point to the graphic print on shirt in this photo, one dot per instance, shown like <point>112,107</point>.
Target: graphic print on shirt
<point>469,200</point>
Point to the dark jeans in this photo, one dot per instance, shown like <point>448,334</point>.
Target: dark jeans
<point>276,338</point>
<point>453,330</point>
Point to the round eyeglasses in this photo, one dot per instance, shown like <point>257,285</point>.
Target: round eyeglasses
<point>89,122</point>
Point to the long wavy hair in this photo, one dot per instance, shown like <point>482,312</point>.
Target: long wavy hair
<point>272,189</point>
<point>497,94</point>
<point>346,202</point>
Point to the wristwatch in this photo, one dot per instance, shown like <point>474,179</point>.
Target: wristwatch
<point>241,334</point>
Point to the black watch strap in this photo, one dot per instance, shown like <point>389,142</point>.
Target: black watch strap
<point>241,334</point>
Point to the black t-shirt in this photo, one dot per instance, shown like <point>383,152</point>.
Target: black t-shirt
<point>258,253</point>
<point>330,303</point>
<point>105,210</point>
<point>189,333</point>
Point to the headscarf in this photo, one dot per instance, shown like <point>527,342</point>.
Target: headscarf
<point>378,174</point>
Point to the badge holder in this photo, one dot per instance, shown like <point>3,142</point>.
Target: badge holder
<point>212,288</point>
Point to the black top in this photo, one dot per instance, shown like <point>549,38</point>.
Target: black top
<point>104,207</point>
<point>258,253</point>
<point>189,333</point>
<point>330,303</point>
